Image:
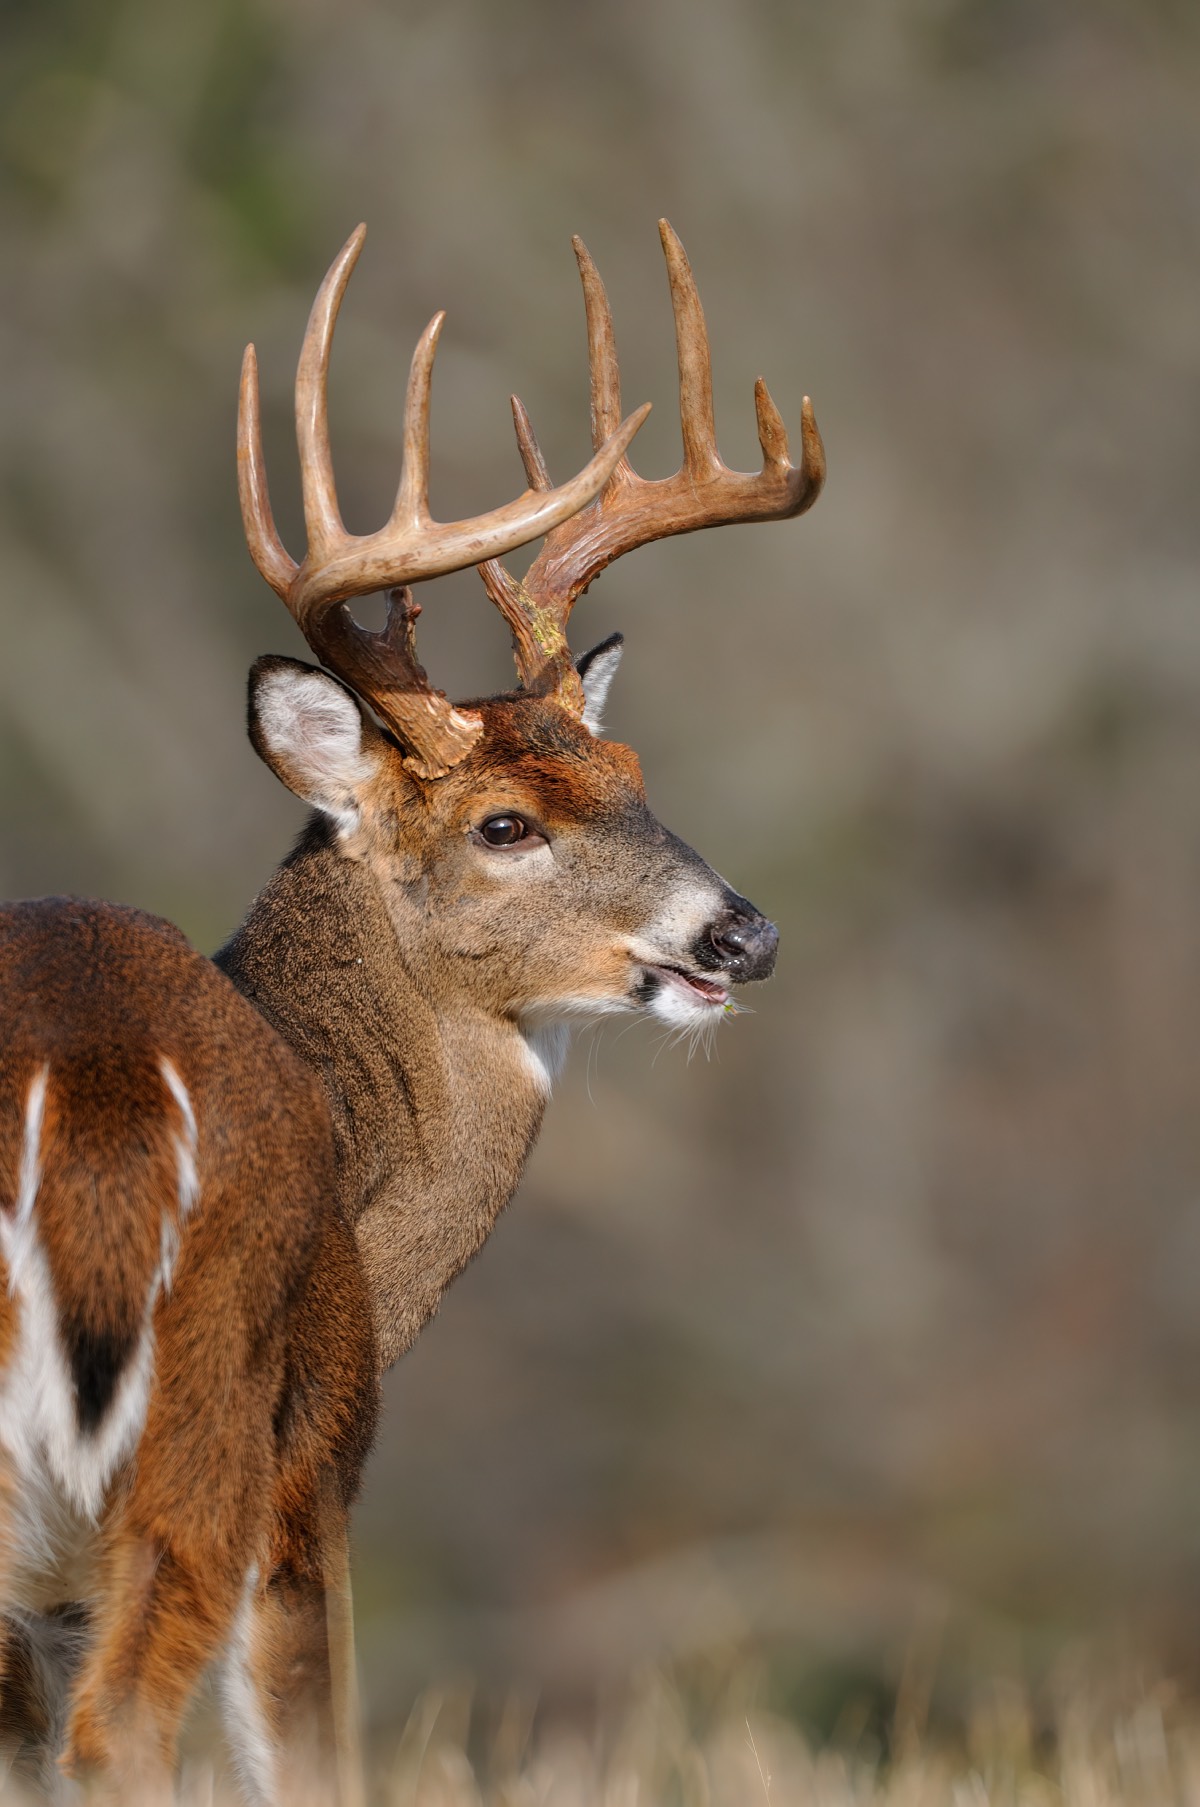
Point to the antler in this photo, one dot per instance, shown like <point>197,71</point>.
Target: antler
<point>633,510</point>
<point>383,667</point>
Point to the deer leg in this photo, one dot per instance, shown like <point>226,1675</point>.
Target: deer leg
<point>289,1680</point>
<point>289,1687</point>
<point>172,1575</point>
<point>164,1612</point>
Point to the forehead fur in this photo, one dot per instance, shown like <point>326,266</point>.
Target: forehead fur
<point>537,741</point>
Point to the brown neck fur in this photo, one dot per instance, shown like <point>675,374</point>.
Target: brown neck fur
<point>434,1111</point>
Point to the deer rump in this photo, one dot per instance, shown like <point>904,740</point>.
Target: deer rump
<point>166,1191</point>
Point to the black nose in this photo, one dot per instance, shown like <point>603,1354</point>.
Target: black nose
<point>746,945</point>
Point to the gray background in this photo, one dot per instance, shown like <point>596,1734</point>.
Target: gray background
<point>890,1309</point>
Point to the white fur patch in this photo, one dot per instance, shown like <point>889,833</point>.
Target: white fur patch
<point>674,1004</point>
<point>61,1473</point>
<point>669,941</point>
<point>312,731</point>
<point>546,1053</point>
<point>596,678</point>
<point>38,1423</point>
<point>16,1232</point>
<point>49,1546</point>
<point>47,1534</point>
<point>246,1724</point>
<point>189,1178</point>
<point>546,1031</point>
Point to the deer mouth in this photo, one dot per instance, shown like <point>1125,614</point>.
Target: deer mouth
<point>691,985</point>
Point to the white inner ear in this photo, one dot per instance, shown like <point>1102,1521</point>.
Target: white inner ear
<point>600,672</point>
<point>313,733</point>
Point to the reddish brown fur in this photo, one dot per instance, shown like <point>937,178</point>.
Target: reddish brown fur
<point>243,1422</point>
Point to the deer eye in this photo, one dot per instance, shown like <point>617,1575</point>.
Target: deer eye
<point>503,831</point>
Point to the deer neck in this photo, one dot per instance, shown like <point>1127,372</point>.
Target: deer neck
<point>434,1105</point>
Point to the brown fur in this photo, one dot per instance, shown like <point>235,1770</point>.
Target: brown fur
<point>241,1421</point>
<point>365,1107</point>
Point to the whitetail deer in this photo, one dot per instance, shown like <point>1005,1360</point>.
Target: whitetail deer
<point>233,1191</point>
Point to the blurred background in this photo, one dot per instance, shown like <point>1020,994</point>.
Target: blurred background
<point>880,1331</point>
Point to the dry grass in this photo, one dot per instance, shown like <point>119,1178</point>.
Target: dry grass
<point>1005,1751</point>
<point>1148,1753</point>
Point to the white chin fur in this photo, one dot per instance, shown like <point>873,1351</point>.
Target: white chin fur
<point>546,1028</point>
<point>681,1008</point>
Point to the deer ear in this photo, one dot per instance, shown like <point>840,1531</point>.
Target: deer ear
<point>311,732</point>
<point>597,670</point>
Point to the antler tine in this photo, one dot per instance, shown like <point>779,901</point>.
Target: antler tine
<point>700,455</point>
<point>412,497</point>
<point>530,450</point>
<point>812,456</point>
<point>266,548</point>
<point>772,434</point>
<point>504,590</point>
<point>322,517</point>
<point>603,369</point>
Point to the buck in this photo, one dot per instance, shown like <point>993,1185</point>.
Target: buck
<point>233,1191</point>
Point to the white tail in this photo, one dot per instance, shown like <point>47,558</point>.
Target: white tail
<point>232,1191</point>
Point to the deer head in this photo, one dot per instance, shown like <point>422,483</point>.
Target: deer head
<point>524,874</point>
